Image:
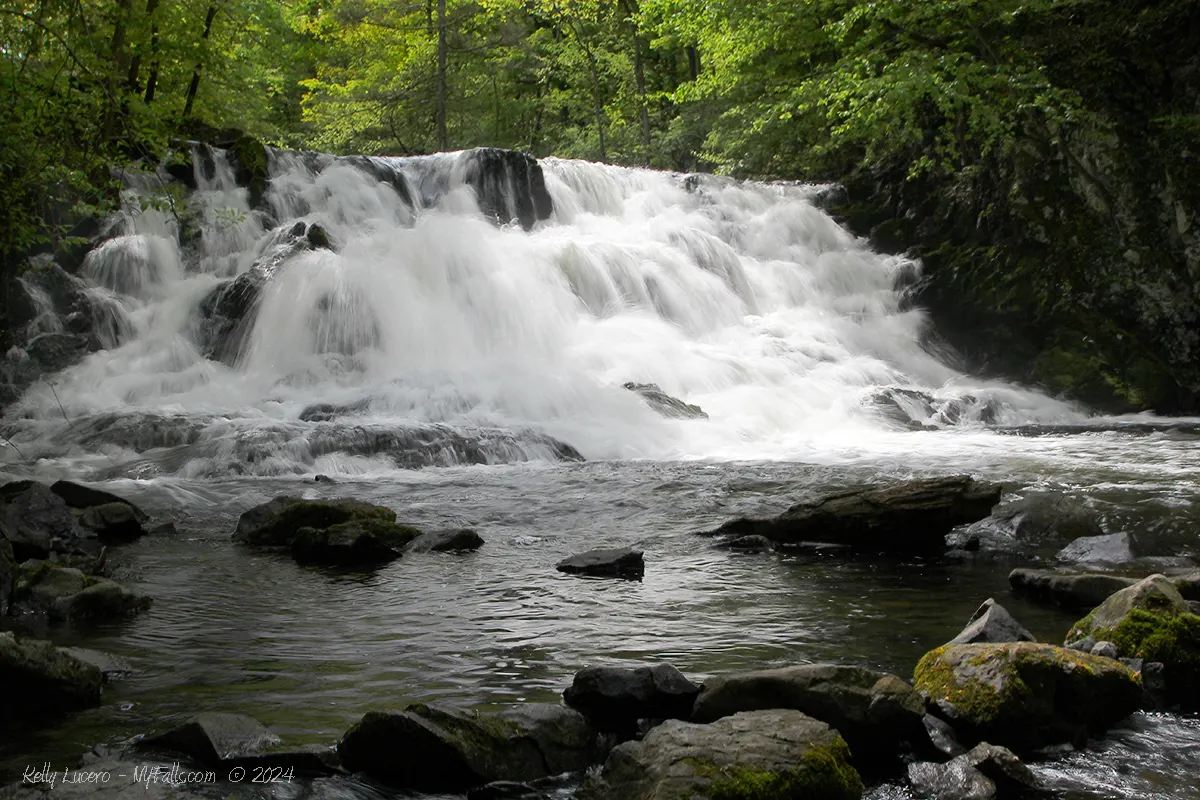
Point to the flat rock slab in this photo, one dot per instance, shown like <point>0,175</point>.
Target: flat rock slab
<point>113,668</point>
<point>622,562</point>
<point>1115,548</point>
<point>906,517</point>
<point>212,738</point>
<point>38,677</point>
<point>615,698</point>
<point>1069,589</point>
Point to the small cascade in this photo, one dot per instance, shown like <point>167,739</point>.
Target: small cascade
<point>364,314</point>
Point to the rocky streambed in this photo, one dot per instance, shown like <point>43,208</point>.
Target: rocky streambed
<point>393,700</point>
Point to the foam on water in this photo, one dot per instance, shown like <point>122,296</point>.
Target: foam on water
<point>743,298</point>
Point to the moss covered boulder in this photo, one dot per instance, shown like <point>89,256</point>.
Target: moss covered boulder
<point>357,543</point>
<point>65,594</point>
<point>37,677</point>
<point>433,749</point>
<point>1026,695</point>
<point>277,522</point>
<point>1152,621</point>
<point>777,754</point>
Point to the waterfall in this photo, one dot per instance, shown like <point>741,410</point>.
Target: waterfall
<point>380,313</point>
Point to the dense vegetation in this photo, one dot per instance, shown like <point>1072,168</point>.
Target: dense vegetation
<point>1041,154</point>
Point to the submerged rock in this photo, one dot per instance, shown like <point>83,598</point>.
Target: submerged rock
<point>277,522</point>
<point>906,517</point>
<point>621,562</point>
<point>766,755</point>
<point>434,749</point>
<point>878,714</point>
<point>755,544</point>
<point>445,542</point>
<point>664,404</point>
<point>357,543</point>
<point>36,677</point>
<point>615,698</point>
<point>985,772</point>
<point>212,738</point>
<point>1069,589</point>
<point>112,668</point>
<point>991,622</point>
<point>1026,695</point>
<point>1021,527</point>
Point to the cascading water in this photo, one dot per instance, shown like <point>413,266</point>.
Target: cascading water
<point>426,334</point>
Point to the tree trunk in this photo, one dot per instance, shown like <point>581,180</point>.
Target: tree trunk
<point>135,66</point>
<point>693,62</point>
<point>443,138</point>
<point>194,86</point>
<point>639,74</point>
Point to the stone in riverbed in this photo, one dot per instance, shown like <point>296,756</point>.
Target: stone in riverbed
<point>37,677</point>
<point>1115,548</point>
<point>942,737</point>
<point>38,522</point>
<point>747,544</point>
<point>357,543</point>
<point>664,403</point>
<point>78,496</point>
<point>985,772</point>
<point>212,738</point>
<point>878,714</point>
<point>65,594</point>
<point>112,668</point>
<point>112,523</point>
<point>1068,589</point>
<point>432,749</point>
<point>992,623</point>
<point>621,562</point>
<point>907,517</point>
<point>1021,526</point>
<point>445,542</point>
<point>615,698</point>
<point>276,522</point>
<point>778,754</point>
<point>1026,695</point>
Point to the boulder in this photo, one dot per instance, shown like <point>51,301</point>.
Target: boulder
<point>433,749</point>
<point>1188,585</point>
<point>445,542</point>
<point>65,594</point>
<point>277,522</point>
<point>615,698</point>
<point>878,714</point>
<point>212,738</point>
<point>1020,527</point>
<point>38,522</point>
<point>1026,695</point>
<point>992,623</point>
<point>1067,589</point>
<point>38,677</point>
<point>985,772</point>
<point>76,495</point>
<point>778,754</point>
<point>112,668</point>
<point>913,516</point>
<point>1151,621</point>
<point>357,543</point>
<point>621,562</point>
<point>942,737</point>
<point>112,523</point>
<point>1105,649</point>
<point>509,185</point>
<point>664,404</point>
<point>1115,548</point>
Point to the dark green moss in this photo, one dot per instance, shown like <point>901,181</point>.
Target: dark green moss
<point>824,773</point>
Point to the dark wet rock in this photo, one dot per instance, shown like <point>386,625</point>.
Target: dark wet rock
<point>112,523</point>
<point>907,517</point>
<point>508,185</point>
<point>163,529</point>
<point>136,431</point>
<point>1188,585</point>
<point>1026,695</point>
<point>877,713</point>
<point>314,761</point>
<point>324,412</point>
<point>664,403</point>
<point>621,562</point>
<point>615,698</point>
<point>318,238</point>
<point>916,409</point>
<point>1084,645</point>
<point>507,790</point>
<point>1151,621</point>
<point>1154,684</point>
<point>1020,527</point>
<point>1104,650</point>
<point>773,755</point>
<point>942,737</point>
<point>277,522</point>
<point>36,677</point>
<point>384,173</point>
<point>357,543</point>
<point>433,749</point>
<point>984,773</point>
<point>991,622</point>
<point>76,495</point>
<point>65,594</point>
<point>445,542</point>
<point>251,166</point>
<point>211,738</point>
<point>1115,548</point>
<point>757,544</point>
<point>323,479</point>
<point>37,522</point>
<point>1067,589</point>
<point>112,668</point>
<point>8,575</point>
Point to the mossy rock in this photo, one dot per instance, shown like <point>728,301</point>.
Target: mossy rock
<point>277,523</point>
<point>359,542</point>
<point>38,677</point>
<point>776,754</point>
<point>1026,695</point>
<point>253,169</point>
<point>65,594</point>
<point>1154,595</point>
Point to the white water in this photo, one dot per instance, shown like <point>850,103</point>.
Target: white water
<point>745,299</point>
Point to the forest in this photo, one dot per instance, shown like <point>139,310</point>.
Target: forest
<point>1039,154</point>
